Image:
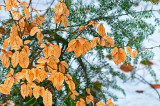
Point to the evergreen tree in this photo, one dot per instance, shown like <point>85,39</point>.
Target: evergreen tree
<point>122,22</point>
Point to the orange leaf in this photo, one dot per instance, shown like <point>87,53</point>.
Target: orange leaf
<point>81,102</point>
<point>155,86</point>
<point>101,30</point>
<point>88,90</point>
<point>93,23</point>
<point>8,5</point>
<point>10,74</point>
<point>70,82</point>
<point>126,68</point>
<point>23,59</point>
<point>100,104</point>
<point>26,12</point>
<point>4,89</point>
<point>108,41</point>
<point>119,56</point>
<point>25,89</point>
<point>89,98</point>
<point>40,36</point>
<point>34,30</point>
<point>15,59</point>
<point>19,75</point>
<point>129,49</point>
<point>59,79</point>
<point>36,92</point>
<point>23,4</point>
<point>78,49</point>
<point>6,43</point>
<point>109,103</point>
<point>134,53</point>
<point>71,45</point>
<point>27,41</point>
<point>5,60</point>
<point>95,41</point>
<point>64,21</point>
<point>9,82</point>
<point>29,75</point>
<point>62,66</point>
<point>41,91</point>
<point>47,98</point>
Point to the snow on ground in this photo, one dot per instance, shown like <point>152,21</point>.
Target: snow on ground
<point>149,97</point>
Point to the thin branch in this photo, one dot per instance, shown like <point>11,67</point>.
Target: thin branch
<point>143,80</point>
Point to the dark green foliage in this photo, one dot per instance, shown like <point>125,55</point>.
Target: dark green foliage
<point>94,71</point>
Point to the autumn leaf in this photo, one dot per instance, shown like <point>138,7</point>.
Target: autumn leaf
<point>89,98</point>
<point>6,43</point>
<point>155,86</point>
<point>4,89</point>
<point>26,12</point>
<point>10,4</point>
<point>129,49</point>
<point>9,82</point>
<point>40,75</point>
<point>42,60</point>
<point>40,36</point>
<point>81,102</point>
<point>59,79</point>
<point>64,21</point>
<point>82,27</point>
<point>93,23</point>
<point>30,75</point>
<point>126,68</point>
<point>78,49</point>
<point>109,42</point>
<point>26,89</point>
<point>119,55</point>
<point>5,59</point>
<point>33,31</point>
<point>101,30</point>
<point>88,90</point>
<point>15,59</point>
<point>23,59</point>
<point>41,91</point>
<point>94,42</point>
<point>47,98</point>
<point>100,104</point>
<point>69,81</point>
<point>51,65</point>
<point>74,94</point>
<point>62,66</point>
<point>134,53</point>
<point>109,103</point>
<point>19,75</point>
<point>10,74</point>
<point>26,49</point>
<point>23,4</point>
<point>71,45</point>
<point>36,92</point>
<point>16,14</point>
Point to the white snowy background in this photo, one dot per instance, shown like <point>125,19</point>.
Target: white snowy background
<point>149,97</point>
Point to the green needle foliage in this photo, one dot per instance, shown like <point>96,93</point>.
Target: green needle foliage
<point>122,21</point>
